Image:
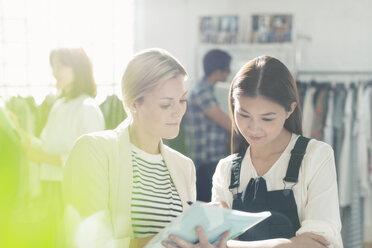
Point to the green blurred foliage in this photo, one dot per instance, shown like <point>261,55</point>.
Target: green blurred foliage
<point>25,222</point>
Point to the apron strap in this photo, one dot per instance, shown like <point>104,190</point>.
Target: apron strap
<point>235,170</point>
<point>297,154</point>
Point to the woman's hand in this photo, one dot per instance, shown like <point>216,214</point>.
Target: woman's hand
<point>221,204</point>
<point>34,154</point>
<point>310,240</point>
<point>203,241</point>
<point>25,137</point>
<point>139,243</point>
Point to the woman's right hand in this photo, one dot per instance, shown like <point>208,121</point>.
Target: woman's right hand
<point>203,241</point>
<point>309,240</point>
<point>26,139</point>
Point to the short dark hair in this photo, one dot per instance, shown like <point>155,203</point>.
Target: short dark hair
<point>215,60</point>
<point>79,62</point>
<point>268,77</point>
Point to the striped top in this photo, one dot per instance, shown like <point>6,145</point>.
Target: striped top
<point>155,200</point>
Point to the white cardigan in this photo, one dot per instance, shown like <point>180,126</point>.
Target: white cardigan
<point>98,183</point>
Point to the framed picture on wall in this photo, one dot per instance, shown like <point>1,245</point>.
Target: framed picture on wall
<point>218,29</point>
<point>271,28</point>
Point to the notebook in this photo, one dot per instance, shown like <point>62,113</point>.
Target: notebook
<point>214,220</point>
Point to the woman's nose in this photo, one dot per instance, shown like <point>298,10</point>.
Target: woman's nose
<point>252,125</point>
<point>179,109</point>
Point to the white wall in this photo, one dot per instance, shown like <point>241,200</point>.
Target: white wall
<point>341,37</point>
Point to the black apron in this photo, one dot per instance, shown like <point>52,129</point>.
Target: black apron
<point>283,222</point>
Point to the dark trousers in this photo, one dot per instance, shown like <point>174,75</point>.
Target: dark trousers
<point>204,174</point>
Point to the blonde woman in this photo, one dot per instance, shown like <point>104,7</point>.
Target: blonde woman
<point>124,185</point>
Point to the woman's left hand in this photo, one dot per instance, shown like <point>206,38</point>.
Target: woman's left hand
<point>221,204</point>
<point>203,241</point>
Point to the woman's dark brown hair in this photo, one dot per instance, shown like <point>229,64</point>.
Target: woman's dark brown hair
<point>78,61</point>
<point>268,77</point>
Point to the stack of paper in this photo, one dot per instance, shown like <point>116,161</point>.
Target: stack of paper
<point>214,220</point>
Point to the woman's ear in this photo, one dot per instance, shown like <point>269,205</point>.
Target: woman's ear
<point>293,107</point>
<point>133,107</point>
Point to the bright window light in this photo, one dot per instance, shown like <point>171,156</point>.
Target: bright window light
<point>30,29</point>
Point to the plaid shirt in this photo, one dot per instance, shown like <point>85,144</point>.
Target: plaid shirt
<point>206,142</point>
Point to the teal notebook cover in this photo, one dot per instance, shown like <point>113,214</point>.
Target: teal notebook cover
<point>214,220</point>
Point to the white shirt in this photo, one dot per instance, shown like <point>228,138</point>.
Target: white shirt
<point>315,193</point>
<point>66,122</point>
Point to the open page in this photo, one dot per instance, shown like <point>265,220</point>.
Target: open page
<point>214,220</point>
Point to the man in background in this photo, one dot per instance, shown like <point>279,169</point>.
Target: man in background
<point>206,125</point>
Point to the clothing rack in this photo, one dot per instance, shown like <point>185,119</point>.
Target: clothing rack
<point>333,73</point>
<point>113,85</point>
<point>364,77</point>
<point>39,91</point>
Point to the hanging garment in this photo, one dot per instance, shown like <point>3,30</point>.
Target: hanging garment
<point>338,121</point>
<point>361,130</point>
<point>328,126</point>
<point>354,237</point>
<point>308,114</point>
<point>320,112</point>
<point>113,111</point>
<point>367,218</point>
<point>365,141</point>
<point>344,179</point>
<point>370,143</point>
<point>302,88</point>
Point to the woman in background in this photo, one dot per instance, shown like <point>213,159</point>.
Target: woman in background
<point>74,114</point>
